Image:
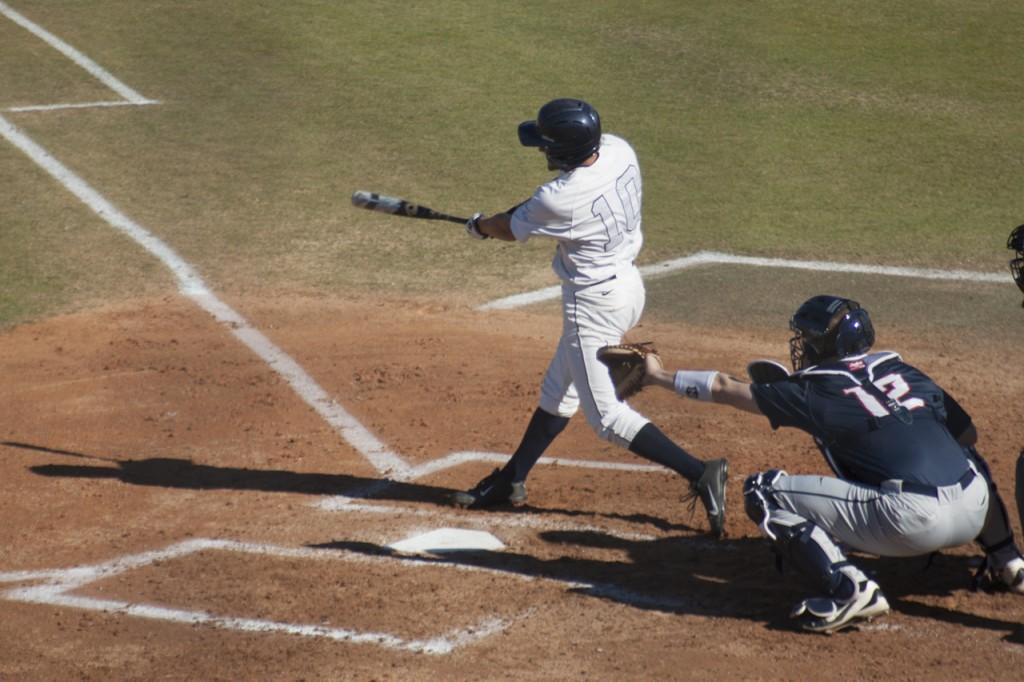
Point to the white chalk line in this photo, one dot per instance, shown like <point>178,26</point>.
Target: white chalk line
<point>59,583</point>
<point>457,458</point>
<point>483,522</point>
<point>78,105</point>
<point>74,55</point>
<point>718,258</point>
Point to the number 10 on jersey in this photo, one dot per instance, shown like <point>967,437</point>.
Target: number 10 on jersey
<point>627,200</point>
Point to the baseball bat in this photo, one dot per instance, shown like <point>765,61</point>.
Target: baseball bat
<point>395,206</point>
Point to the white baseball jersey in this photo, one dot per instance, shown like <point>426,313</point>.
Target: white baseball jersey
<point>594,213</point>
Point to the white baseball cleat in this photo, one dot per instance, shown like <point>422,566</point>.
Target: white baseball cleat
<point>827,615</point>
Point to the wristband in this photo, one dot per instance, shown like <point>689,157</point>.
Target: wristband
<point>473,227</point>
<point>695,385</point>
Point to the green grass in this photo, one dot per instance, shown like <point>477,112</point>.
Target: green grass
<point>859,132</point>
<point>53,251</point>
<point>928,312</point>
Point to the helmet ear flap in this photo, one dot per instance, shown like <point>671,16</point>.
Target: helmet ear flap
<point>854,333</point>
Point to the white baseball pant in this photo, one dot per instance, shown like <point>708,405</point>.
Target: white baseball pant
<point>594,316</point>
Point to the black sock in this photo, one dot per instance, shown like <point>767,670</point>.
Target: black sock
<point>542,429</point>
<point>650,443</point>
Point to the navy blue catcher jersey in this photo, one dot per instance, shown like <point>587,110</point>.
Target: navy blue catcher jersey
<point>858,434</point>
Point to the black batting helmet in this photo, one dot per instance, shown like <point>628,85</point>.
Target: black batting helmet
<point>828,327</point>
<point>1016,243</point>
<point>568,130</point>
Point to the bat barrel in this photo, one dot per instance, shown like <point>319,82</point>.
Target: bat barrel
<point>393,205</point>
<point>375,202</point>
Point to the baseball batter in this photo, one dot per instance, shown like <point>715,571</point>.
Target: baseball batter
<point>592,210</point>
<point>904,485</point>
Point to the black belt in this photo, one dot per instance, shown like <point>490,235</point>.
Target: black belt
<point>607,279</point>
<point>932,491</point>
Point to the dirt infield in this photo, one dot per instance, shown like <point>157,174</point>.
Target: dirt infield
<point>210,514</point>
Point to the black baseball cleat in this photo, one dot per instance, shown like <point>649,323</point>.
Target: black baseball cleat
<point>1011,575</point>
<point>1000,576</point>
<point>710,488</point>
<point>492,491</point>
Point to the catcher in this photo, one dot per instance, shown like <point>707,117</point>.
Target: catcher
<point>904,486</point>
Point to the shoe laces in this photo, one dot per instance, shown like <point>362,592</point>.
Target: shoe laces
<point>691,497</point>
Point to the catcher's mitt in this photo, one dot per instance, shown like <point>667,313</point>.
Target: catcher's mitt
<point>627,365</point>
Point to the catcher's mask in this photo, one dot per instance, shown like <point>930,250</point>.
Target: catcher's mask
<point>829,327</point>
<point>568,130</point>
<point>1016,243</point>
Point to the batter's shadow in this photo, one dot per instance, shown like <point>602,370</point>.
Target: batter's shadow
<point>172,472</point>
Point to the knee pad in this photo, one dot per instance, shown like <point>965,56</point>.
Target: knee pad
<point>758,497</point>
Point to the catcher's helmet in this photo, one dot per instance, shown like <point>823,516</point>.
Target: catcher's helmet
<point>1016,243</point>
<point>568,130</point>
<point>828,327</point>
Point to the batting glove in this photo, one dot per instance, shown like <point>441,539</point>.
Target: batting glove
<point>473,227</point>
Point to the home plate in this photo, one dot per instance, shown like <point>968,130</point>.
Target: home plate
<point>448,540</point>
